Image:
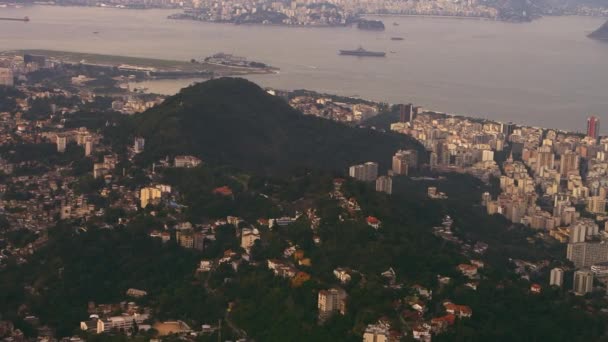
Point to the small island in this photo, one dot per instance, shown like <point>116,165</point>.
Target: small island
<point>371,25</point>
<point>601,33</point>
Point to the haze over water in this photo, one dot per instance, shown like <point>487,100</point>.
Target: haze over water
<point>544,73</point>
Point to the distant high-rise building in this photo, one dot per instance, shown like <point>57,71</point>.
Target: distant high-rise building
<point>507,129</point>
<point>6,77</point>
<point>384,184</point>
<point>371,171</point>
<point>443,154</point>
<point>583,282</point>
<point>376,333</point>
<point>487,155</point>
<point>403,160</point>
<point>88,147</point>
<point>138,144</point>
<point>433,160</point>
<point>557,277</point>
<point>596,204</point>
<point>593,127</point>
<point>147,195</point>
<point>517,149</point>
<point>199,241</point>
<point>34,59</point>
<point>568,162</point>
<point>400,166</point>
<point>585,254</point>
<point>406,113</point>
<point>357,171</point>
<point>578,233</point>
<point>367,172</point>
<point>186,239</point>
<point>62,142</point>
<point>331,301</point>
<point>545,159</point>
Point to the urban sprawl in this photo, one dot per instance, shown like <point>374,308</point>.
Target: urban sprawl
<point>551,181</point>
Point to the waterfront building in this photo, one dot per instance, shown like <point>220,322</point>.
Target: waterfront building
<point>406,113</point>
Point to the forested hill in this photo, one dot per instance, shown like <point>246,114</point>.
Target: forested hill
<point>233,121</point>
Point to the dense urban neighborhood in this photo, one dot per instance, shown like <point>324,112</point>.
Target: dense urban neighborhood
<point>235,213</point>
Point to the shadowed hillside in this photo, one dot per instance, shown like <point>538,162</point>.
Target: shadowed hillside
<point>233,121</point>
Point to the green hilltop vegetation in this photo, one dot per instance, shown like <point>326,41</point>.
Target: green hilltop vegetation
<point>99,265</point>
<point>233,121</point>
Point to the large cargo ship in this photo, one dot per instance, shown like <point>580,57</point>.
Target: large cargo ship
<point>361,52</point>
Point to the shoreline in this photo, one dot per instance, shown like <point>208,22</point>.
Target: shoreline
<point>395,15</point>
<point>433,16</point>
<point>145,64</point>
<point>425,109</point>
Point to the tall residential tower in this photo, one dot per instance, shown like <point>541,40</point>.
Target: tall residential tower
<point>593,126</point>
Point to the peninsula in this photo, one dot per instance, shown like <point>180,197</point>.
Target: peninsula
<point>147,67</point>
<point>601,33</point>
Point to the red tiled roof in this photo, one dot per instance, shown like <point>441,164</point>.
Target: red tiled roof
<point>465,267</point>
<point>223,190</point>
<point>449,318</point>
<point>372,220</point>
